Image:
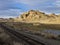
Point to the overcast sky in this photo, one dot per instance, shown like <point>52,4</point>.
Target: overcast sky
<point>13,8</point>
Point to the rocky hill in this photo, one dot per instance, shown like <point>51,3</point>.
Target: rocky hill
<point>34,16</point>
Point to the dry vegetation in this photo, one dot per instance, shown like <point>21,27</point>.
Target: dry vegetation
<point>36,29</point>
<point>6,39</point>
<point>31,26</point>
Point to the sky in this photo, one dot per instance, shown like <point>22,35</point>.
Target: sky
<point>13,8</point>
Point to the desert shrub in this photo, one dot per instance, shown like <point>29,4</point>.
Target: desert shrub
<point>49,36</point>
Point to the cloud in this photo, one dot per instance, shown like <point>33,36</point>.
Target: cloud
<point>5,4</point>
<point>8,4</point>
<point>52,10</point>
<point>8,9</point>
<point>57,3</point>
<point>31,2</point>
<point>14,8</point>
<point>10,12</point>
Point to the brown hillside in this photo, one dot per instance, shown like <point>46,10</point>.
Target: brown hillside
<point>33,16</point>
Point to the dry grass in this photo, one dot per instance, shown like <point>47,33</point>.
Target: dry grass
<point>36,29</point>
<point>30,26</point>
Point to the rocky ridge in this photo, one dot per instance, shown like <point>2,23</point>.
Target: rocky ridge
<point>34,16</point>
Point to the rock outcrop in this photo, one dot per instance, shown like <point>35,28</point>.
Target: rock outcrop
<point>33,16</point>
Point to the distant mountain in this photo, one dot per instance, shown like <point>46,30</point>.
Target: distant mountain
<point>34,16</point>
<point>3,20</point>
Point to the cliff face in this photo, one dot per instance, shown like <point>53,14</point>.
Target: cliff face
<point>37,16</point>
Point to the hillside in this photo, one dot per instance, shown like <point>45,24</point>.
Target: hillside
<point>34,16</point>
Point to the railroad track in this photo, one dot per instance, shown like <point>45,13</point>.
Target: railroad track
<point>28,38</point>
